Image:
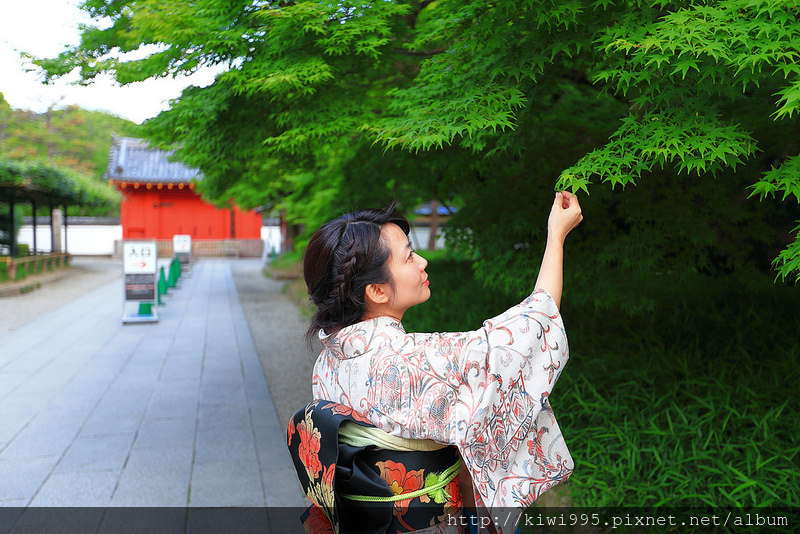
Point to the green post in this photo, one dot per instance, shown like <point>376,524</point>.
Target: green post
<point>172,279</point>
<point>176,264</point>
<point>162,285</point>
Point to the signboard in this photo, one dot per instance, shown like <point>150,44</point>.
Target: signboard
<point>140,263</point>
<point>140,257</point>
<point>182,244</point>
<point>182,247</point>
<point>139,286</point>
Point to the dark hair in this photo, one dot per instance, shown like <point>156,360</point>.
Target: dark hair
<point>343,257</point>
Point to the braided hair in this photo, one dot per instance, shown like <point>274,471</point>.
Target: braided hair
<point>343,257</point>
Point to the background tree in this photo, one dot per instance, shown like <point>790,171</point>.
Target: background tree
<point>68,137</point>
<point>323,106</point>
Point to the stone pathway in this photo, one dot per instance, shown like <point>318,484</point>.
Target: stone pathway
<point>57,289</point>
<point>278,330</point>
<point>94,413</point>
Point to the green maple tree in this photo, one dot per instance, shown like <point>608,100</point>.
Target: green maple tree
<point>677,117</point>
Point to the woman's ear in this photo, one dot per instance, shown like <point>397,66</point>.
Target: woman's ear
<point>376,294</point>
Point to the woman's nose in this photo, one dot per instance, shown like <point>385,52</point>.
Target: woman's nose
<point>423,262</point>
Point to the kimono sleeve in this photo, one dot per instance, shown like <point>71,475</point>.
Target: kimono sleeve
<point>507,433</point>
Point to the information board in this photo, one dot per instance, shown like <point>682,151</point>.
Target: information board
<point>182,247</point>
<point>182,243</point>
<point>140,290</point>
<point>139,286</point>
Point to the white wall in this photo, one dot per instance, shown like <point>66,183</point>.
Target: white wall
<point>271,235</point>
<point>419,237</point>
<point>82,239</point>
<point>98,240</point>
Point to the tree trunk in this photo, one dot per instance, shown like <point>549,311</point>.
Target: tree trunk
<point>434,224</point>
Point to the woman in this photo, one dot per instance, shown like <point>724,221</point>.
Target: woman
<point>485,392</point>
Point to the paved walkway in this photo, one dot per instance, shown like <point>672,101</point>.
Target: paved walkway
<point>278,328</point>
<point>94,413</point>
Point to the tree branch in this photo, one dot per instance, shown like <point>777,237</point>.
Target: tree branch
<point>412,17</point>
<point>424,53</point>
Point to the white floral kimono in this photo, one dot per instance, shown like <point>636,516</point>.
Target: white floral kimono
<point>485,391</point>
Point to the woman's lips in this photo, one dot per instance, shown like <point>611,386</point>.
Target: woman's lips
<point>426,283</point>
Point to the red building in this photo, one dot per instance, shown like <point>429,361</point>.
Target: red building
<point>159,200</point>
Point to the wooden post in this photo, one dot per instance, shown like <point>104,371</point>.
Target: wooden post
<point>33,207</point>
<point>56,222</point>
<point>52,234</point>
<point>12,237</point>
<point>285,239</point>
<point>434,224</point>
<point>66,250</point>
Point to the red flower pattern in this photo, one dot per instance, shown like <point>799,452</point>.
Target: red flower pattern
<point>317,522</point>
<point>308,451</point>
<point>401,481</point>
<point>327,475</point>
<point>341,409</point>
<point>454,502</point>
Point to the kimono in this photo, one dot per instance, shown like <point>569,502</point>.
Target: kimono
<point>332,471</point>
<point>485,391</point>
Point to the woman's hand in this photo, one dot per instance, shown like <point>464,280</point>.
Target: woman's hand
<point>564,216</point>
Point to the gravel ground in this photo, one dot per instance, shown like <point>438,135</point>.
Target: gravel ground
<point>278,329</point>
<point>275,322</point>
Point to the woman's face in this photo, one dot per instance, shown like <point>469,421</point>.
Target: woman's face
<point>407,268</point>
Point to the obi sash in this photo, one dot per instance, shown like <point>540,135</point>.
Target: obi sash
<point>358,488</point>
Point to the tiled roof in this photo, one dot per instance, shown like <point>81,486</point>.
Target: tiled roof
<point>426,209</point>
<point>131,160</point>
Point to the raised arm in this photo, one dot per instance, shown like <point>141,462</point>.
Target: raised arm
<point>564,216</point>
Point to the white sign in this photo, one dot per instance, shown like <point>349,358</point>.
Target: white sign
<point>140,291</point>
<point>140,257</point>
<point>182,244</point>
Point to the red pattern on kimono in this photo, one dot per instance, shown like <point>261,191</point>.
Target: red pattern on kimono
<point>485,391</point>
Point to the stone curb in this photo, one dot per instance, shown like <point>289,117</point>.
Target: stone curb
<point>32,282</point>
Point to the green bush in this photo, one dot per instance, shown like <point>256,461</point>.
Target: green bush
<point>458,300</point>
<point>288,260</point>
<point>691,405</point>
<point>22,272</point>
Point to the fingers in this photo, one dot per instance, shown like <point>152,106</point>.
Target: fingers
<point>574,201</point>
<point>569,202</point>
<point>558,201</point>
<point>567,199</point>
<point>564,215</point>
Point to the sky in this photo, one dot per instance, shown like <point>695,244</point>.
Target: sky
<point>43,28</point>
